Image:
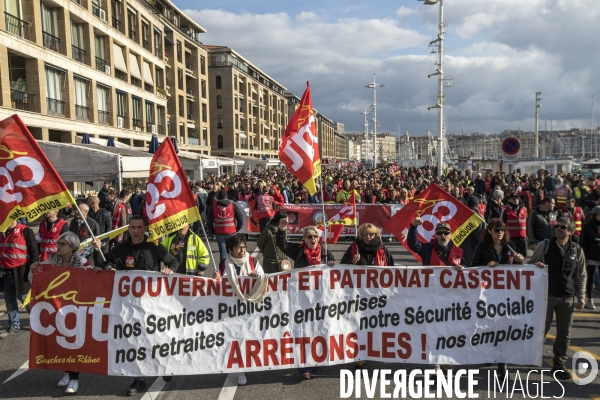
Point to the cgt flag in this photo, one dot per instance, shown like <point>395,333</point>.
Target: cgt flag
<point>29,184</point>
<point>299,149</point>
<point>333,232</point>
<point>170,202</point>
<point>347,214</point>
<point>434,205</point>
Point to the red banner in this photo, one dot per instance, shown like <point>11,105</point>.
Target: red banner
<point>301,215</point>
<point>29,184</point>
<point>299,149</point>
<point>434,205</point>
<point>69,319</point>
<point>170,202</point>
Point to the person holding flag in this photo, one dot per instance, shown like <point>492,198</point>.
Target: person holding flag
<point>440,251</point>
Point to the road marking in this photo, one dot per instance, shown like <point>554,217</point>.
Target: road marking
<point>155,389</point>
<point>22,369</point>
<point>594,396</point>
<point>577,348</point>
<point>586,315</point>
<point>229,388</point>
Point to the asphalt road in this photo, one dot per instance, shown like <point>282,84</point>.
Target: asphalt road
<point>16,382</point>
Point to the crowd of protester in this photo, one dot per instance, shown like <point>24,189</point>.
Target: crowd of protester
<point>538,212</point>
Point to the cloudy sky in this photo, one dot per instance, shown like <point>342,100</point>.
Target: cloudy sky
<point>499,52</point>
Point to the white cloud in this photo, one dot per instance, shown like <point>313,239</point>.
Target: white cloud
<point>500,52</point>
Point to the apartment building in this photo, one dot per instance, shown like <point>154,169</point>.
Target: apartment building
<point>341,146</point>
<point>325,131</point>
<point>106,68</point>
<point>248,110</point>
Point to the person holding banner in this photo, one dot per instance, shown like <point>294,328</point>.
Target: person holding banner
<point>272,255</point>
<point>50,229</point>
<point>496,249</point>
<point>240,263</point>
<point>189,250</point>
<point>66,256</point>
<point>368,248</point>
<point>305,254</point>
<point>18,250</point>
<point>136,253</point>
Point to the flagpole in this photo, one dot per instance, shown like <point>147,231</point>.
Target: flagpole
<point>323,210</point>
<point>89,229</point>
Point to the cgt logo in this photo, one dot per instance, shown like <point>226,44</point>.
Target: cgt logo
<point>303,141</point>
<point>443,211</point>
<point>157,190</point>
<point>8,194</point>
<point>70,321</point>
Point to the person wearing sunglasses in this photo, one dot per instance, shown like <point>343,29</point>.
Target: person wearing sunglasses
<point>565,261</point>
<point>65,256</point>
<point>440,250</point>
<point>368,248</point>
<point>306,254</point>
<point>496,249</point>
<point>590,242</point>
<point>514,215</point>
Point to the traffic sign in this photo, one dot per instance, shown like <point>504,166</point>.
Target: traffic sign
<point>511,146</point>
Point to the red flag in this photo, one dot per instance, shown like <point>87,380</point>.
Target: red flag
<point>170,203</point>
<point>299,149</point>
<point>434,205</point>
<point>394,170</point>
<point>333,232</point>
<point>29,184</point>
<point>347,214</point>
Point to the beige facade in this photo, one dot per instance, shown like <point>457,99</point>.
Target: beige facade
<point>341,146</point>
<point>106,68</point>
<point>326,135</point>
<point>248,110</point>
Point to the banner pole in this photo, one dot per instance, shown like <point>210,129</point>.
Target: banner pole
<point>323,210</point>
<point>89,229</point>
<point>208,244</point>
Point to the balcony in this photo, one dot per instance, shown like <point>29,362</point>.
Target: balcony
<point>82,113</point>
<point>189,91</point>
<point>78,54</point>
<point>121,75</point>
<point>132,34</point>
<point>137,124</point>
<point>51,42</point>
<point>244,146</point>
<point>21,100</point>
<point>157,52</point>
<point>160,129</point>
<point>188,65</point>
<point>98,12</point>
<point>146,44</point>
<point>193,141</point>
<point>102,65</point>
<point>116,23</point>
<point>103,117</point>
<point>55,107</point>
<point>16,26</point>
<point>150,127</point>
<point>190,116</point>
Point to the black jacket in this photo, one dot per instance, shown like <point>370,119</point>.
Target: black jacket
<point>424,250</point>
<point>492,210</point>
<point>145,256</point>
<point>479,186</point>
<point>485,252</point>
<point>540,224</point>
<point>82,231</point>
<point>296,252</point>
<point>238,215</point>
<point>366,257</point>
<point>590,240</point>
<point>103,218</point>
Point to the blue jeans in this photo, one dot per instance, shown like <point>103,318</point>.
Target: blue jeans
<point>221,239</point>
<point>10,297</point>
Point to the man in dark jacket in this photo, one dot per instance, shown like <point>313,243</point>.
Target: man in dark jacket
<point>541,222</point>
<point>99,214</point>
<point>440,251</point>
<point>470,243</point>
<point>78,227</point>
<point>137,201</point>
<point>479,185</point>
<point>566,287</point>
<point>494,206</point>
<point>136,253</point>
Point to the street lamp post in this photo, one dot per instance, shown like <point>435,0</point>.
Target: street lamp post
<point>442,80</point>
<point>374,87</point>
<point>537,114</point>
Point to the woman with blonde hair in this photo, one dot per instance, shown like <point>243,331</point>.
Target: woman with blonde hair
<point>305,254</point>
<point>368,248</point>
<point>403,196</point>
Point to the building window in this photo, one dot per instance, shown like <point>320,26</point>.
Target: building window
<point>179,51</point>
<point>136,104</point>
<point>181,105</point>
<point>235,103</point>
<point>150,128</point>
<point>235,81</point>
<point>218,81</point>
<point>219,122</point>
<point>203,83</point>
<point>219,102</point>
<point>50,28</point>
<point>158,47</point>
<point>146,36</point>
<point>204,137</point>
<point>54,85</point>
<point>102,93</point>
<point>180,78</point>
<point>77,50</point>
<point>220,141</point>
<point>132,22</point>
<point>204,113</point>
<point>81,92</point>
<point>202,65</point>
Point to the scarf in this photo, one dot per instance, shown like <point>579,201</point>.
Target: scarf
<point>75,262</point>
<point>313,256</point>
<point>258,292</point>
<point>371,247</point>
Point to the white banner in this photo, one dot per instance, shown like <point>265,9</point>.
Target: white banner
<point>182,325</point>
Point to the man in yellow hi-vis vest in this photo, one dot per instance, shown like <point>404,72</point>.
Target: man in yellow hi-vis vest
<point>189,250</point>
